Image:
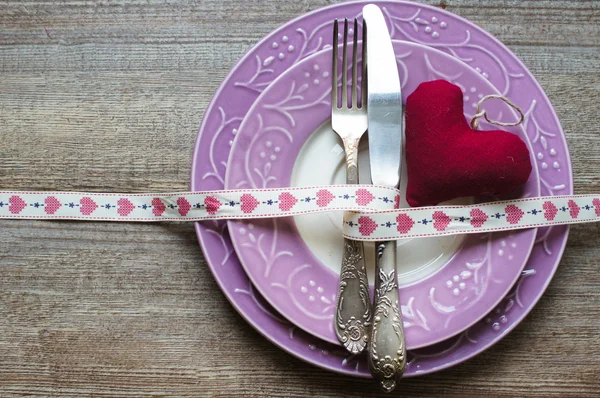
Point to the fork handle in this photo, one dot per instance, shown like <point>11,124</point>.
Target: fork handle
<point>387,350</point>
<point>353,309</point>
<point>351,149</point>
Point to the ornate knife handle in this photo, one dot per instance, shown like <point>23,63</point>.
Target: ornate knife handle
<point>387,348</point>
<point>353,309</point>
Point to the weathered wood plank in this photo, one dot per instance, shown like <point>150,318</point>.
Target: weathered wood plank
<point>108,96</point>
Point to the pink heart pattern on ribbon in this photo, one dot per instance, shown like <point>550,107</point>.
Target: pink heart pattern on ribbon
<point>550,210</point>
<point>404,223</point>
<point>51,205</point>
<point>596,204</point>
<point>364,197</point>
<point>212,204</point>
<point>513,214</point>
<point>396,201</point>
<point>478,218</point>
<point>125,207</point>
<point>367,225</point>
<point>17,204</point>
<point>158,207</point>
<point>184,206</point>
<point>249,203</point>
<point>324,197</point>
<point>573,209</point>
<point>370,213</point>
<point>87,206</point>
<point>287,201</point>
<point>440,220</point>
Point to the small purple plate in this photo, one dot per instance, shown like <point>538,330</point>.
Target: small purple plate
<point>294,262</point>
<point>413,22</point>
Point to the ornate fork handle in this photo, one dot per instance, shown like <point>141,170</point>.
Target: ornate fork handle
<point>387,351</point>
<point>353,315</point>
<point>353,309</point>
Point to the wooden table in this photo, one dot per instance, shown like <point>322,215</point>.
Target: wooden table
<point>108,96</point>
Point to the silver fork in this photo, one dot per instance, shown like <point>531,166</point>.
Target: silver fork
<point>353,307</point>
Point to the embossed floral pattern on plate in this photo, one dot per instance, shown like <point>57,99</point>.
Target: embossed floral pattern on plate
<point>284,269</point>
<point>487,56</point>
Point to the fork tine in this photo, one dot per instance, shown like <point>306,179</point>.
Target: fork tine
<point>334,67</point>
<point>345,67</point>
<point>355,65</point>
<point>363,84</point>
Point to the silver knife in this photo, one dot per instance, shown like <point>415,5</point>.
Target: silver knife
<point>387,348</point>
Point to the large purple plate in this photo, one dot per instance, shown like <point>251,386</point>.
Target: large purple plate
<point>412,22</point>
<point>446,284</point>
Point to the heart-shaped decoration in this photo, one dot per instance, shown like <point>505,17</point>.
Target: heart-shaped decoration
<point>324,197</point>
<point>513,214</point>
<point>287,201</point>
<point>87,206</point>
<point>596,203</point>
<point>51,205</point>
<point>404,223</point>
<point>440,220</point>
<point>478,218</point>
<point>367,225</point>
<point>212,204</point>
<point>397,202</point>
<point>573,209</point>
<point>158,207</point>
<point>438,137</point>
<point>549,211</point>
<point>364,197</point>
<point>16,204</point>
<point>125,207</point>
<point>183,206</point>
<point>248,202</point>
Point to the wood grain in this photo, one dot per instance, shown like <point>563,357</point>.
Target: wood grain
<point>108,96</point>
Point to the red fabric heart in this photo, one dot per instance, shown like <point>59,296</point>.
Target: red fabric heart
<point>446,159</point>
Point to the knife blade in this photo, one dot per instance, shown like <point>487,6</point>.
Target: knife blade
<point>387,348</point>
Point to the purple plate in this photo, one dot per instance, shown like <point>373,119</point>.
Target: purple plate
<point>446,284</point>
<point>416,23</point>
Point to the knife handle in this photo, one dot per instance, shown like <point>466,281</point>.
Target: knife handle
<point>387,348</point>
<point>353,307</point>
